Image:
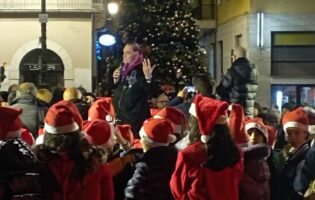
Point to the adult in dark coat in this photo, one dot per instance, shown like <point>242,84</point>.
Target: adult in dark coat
<point>239,84</point>
<point>132,82</point>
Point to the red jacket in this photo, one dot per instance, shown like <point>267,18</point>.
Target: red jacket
<point>192,181</point>
<point>96,185</point>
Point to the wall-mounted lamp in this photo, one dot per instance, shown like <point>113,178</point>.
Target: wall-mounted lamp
<point>260,29</point>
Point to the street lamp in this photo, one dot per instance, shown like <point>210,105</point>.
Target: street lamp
<point>107,39</point>
<point>112,7</point>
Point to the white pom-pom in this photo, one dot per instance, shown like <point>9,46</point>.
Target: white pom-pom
<point>108,118</point>
<point>205,138</point>
<point>172,138</point>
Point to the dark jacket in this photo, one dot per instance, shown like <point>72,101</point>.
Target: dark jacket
<point>82,107</point>
<point>307,173</point>
<point>20,177</point>
<point>289,172</point>
<point>130,100</point>
<point>33,114</point>
<point>239,85</point>
<point>152,175</point>
<point>254,184</point>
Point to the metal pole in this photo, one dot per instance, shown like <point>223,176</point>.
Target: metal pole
<point>43,26</point>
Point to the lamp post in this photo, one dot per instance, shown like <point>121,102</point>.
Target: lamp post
<point>43,18</point>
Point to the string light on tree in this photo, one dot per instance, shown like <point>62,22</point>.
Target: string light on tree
<point>169,30</point>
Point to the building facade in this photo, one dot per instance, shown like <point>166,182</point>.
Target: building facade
<point>68,60</point>
<point>280,40</point>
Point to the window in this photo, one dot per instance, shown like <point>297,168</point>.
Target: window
<point>238,40</point>
<point>44,68</point>
<point>203,9</point>
<point>297,94</point>
<point>293,54</point>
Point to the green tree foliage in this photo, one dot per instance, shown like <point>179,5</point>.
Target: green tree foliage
<point>167,26</point>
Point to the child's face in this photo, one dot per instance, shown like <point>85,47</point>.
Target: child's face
<point>255,136</point>
<point>296,136</point>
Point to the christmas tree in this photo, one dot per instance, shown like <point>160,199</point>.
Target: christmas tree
<point>168,27</point>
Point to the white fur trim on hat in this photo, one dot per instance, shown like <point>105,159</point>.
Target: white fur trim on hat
<point>205,138</point>
<point>16,133</point>
<point>142,133</point>
<point>250,125</point>
<point>311,129</point>
<point>192,110</point>
<point>39,140</point>
<point>61,129</point>
<point>294,124</point>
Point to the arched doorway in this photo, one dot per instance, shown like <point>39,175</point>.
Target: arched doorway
<point>42,67</point>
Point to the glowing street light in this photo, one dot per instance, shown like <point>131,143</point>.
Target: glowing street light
<point>112,8</point>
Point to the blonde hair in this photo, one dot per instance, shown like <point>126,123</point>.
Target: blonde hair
<point>44,95</point>
<point>71,94</point>
<point>27,88</point>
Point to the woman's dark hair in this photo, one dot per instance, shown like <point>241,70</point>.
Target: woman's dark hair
<point>221,150</point>
<point>145,49</point>
<point>74,144</point>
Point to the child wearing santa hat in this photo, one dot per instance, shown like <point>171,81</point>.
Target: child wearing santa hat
<point>19,166</point>
<point>153,172</point>
<point>255,182</point>
<point>295,125</point>
<point>210,168</point>
<point>177,117</point>
<point>76,166</point>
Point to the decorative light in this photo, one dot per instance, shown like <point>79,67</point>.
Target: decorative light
<point>107,40</point>
<point>260,29</point>
<point>112,8</point>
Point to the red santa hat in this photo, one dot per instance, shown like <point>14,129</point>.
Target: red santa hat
<point>272,133</point>
<point>296,118</point>
<point>63,117</point>
<point>311,119</point>
<point>102,109</point>
<point>126,132</point>
<point>10,123</point>
<point>27,137</point>
<point>236,123</point>
<point>176,116</point>
<point>209,112</point>
<point>158,131</point>
<point>97,131</point>
<point>258,124</point>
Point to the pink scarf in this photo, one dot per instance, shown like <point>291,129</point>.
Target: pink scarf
<point>130,66</point>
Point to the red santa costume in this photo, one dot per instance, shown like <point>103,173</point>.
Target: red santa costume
<point>63,118</point>
<point>191,178</point>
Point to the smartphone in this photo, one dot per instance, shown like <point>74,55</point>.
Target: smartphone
<point>190,89</point>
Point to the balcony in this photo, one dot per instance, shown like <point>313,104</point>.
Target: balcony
<point>205,12</point>
<point>52,5</point>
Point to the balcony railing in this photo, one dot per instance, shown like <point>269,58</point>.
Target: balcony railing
<point>204,9</point>
<point>52,5</point>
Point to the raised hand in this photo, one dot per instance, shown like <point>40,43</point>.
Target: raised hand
<point>147,68</point>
